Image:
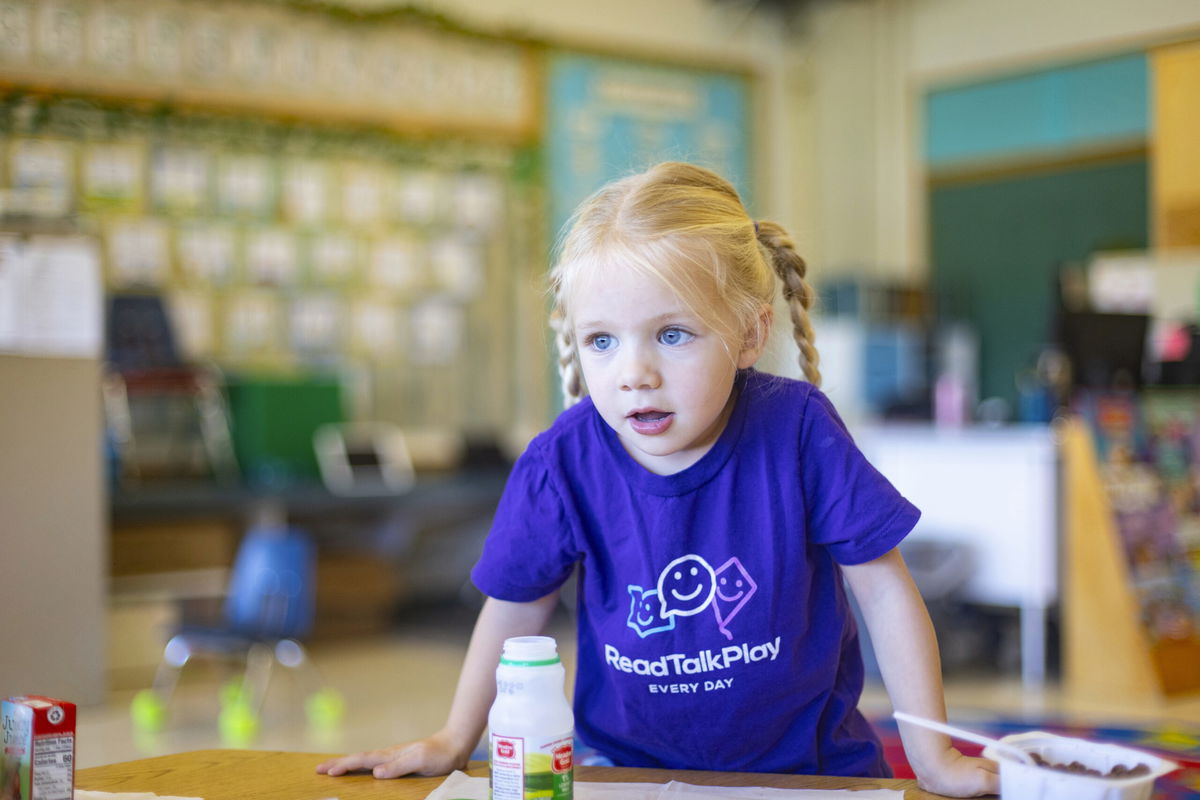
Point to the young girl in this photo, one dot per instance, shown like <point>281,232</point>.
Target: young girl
<point>713,511</point>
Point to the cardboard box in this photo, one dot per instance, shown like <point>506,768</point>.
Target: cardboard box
<point>39,749</point>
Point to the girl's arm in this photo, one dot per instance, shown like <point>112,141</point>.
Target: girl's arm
<point>907,652</point>
<point>450,748</point>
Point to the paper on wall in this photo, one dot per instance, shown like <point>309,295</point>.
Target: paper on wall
<point>111,176</point>
<point>12,281</point>
<point>376,327</point>
<point>316,322</point>
<point>304,191</point>
<point>138,254</point>
<point>395,264</point>
<point>40,176</point>
<point>179,179</point>
<point>192,312</point>
<point>459,786</point>
<point>244,184</point>
<point>207,253</point>
<point>437,328</point>
<point>271,257</point>
<point>419,196</point>
<point>51,300</point>
<point>478,201</point>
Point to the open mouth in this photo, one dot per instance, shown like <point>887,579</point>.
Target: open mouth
<point>650,421</point>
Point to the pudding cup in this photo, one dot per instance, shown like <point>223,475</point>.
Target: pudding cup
<point>1019,781</point>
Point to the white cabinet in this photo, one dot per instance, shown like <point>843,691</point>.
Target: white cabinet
<point>994,490</point>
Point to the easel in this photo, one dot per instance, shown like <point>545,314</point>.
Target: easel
<point>1106,650</point>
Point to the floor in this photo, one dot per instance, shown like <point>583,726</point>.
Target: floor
<point>397,686</point>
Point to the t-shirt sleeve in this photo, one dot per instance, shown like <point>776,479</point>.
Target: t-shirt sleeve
<point>852,509</point>
<point>529,551</point>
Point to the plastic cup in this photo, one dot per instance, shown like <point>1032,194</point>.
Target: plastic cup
<point>1019,781</point>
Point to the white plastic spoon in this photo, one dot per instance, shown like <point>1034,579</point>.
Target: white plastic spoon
<point>970,736</point>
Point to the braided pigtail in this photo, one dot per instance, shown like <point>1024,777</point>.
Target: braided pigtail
<point>569,372</point>
<point>791,269</point>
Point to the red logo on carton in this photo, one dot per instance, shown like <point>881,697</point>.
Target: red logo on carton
<point>505,749</point>
<point>562,759</point>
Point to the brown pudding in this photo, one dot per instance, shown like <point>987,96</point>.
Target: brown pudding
<point>1077,768</point>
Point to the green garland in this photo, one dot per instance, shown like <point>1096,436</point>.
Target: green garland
<point>81,118</point>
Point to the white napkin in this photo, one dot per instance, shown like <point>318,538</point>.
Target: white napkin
<point>88,794</point>
<point>459,786</point>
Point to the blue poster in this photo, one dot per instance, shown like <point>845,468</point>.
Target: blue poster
<point>610,117</point>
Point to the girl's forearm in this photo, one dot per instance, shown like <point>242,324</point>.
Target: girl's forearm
<point>905,647</point>
<point>476,690</point>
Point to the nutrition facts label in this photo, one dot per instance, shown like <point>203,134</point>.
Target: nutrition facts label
<point>508,768</point>
<point>53,767</point>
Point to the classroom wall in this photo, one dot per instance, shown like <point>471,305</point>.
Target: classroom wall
<point>954,39</point>
<point>839,127</point>
<point>874,60</point>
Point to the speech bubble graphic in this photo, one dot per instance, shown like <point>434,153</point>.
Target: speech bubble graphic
<point>686,586</point>
<point>734,588</point>
<point>643,612</point>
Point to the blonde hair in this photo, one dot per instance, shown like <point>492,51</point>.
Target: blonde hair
<point>686,226</point>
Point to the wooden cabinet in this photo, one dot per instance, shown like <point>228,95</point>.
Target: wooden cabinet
<point>1175,158</point>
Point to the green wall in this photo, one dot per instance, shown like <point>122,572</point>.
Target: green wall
<point>997,243</point>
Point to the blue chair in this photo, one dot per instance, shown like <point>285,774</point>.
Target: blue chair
<point>272,589</point>
<point>268,609</point>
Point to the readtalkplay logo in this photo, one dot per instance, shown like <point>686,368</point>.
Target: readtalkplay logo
<point>686,587</point>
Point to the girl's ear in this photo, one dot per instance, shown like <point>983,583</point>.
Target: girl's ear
<point>756,337</point>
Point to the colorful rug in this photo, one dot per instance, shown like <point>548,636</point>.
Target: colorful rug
<point>1181,744</point>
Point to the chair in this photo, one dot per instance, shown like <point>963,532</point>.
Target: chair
<point>166,418</point>
<point>268,609</point>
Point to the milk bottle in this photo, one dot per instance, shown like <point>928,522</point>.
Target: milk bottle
<point>531,725</point>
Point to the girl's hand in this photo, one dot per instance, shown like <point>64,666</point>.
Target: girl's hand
<point>957,775</point>
<point>436,755</point>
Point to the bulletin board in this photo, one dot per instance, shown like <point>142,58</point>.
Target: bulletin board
<point>312,190</point>
<point>317,188</point>
<point>608,117</point>
<point>287,247</point>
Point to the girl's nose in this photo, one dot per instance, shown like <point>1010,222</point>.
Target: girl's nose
<point>639,372</point>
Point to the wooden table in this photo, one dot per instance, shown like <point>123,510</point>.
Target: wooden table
<point>267,775</point>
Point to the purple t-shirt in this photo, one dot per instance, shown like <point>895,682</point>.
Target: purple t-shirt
<point>714,631</point>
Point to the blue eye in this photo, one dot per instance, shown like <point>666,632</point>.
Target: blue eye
<point>600,342</point>
<point>675,336</point>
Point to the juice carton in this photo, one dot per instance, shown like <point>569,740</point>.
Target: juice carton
<point>39,749</point>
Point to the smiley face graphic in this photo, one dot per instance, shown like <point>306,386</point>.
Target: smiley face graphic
<point>686,586</point>
<point>734,588</point>
<point>644,612</point>
<point>722,587</point>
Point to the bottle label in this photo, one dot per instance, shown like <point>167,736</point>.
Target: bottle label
<point>524,768</point>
